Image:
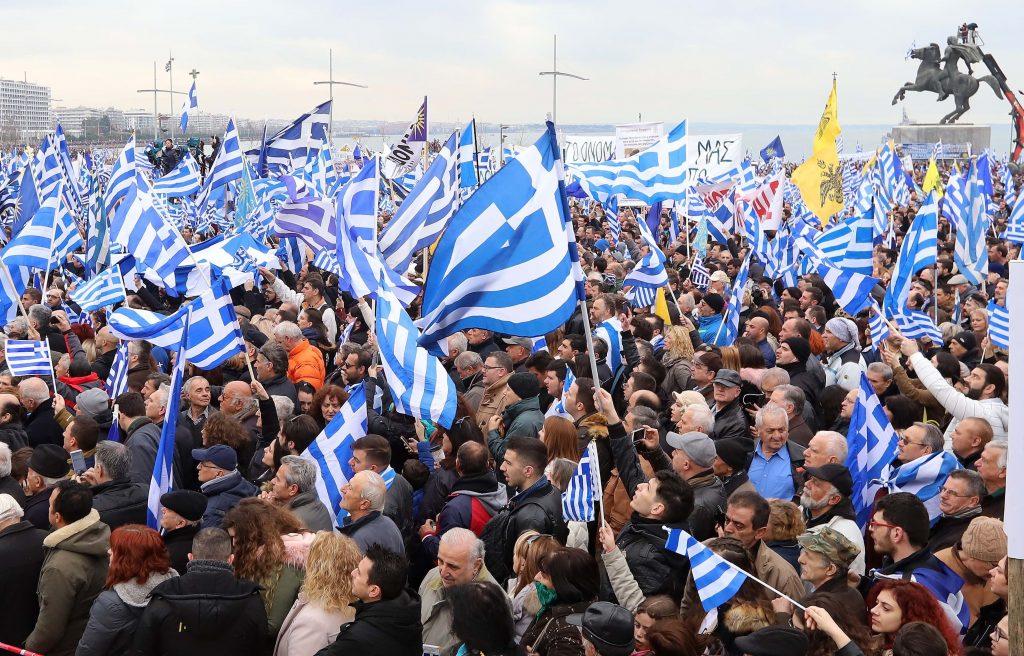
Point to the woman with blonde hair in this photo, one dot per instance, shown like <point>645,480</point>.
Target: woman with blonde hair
<point>785,524</point>
<point>677,360</point>
<point>731,358</point>
<point>324,602</point>
<point>561,439</point>
<point>529,549</point>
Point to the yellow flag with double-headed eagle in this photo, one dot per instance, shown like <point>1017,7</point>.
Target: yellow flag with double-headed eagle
<point>819,178</point>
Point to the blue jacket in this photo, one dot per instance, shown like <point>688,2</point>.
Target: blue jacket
<point>458,510</point>
<point>708,327</point>
<point>223,494</point>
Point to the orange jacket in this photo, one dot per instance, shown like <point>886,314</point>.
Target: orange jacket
<point>306,363</point>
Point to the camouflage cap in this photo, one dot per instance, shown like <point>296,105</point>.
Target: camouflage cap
<point>831,544</point>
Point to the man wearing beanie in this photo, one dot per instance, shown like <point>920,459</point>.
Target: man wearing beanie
<point>180,514</point>
<point>523,417</point>
<point>981,547</point>
<point>21,552</point>
<point>607,629</point>
<point>792,356</point>
<point>48,464</point>
<point>842,350</point>
<point>732,457</point>
<point>709,316</point>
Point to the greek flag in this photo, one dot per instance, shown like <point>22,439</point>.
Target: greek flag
<point>642,297</point>
<point>834,242</point>
<point>923,477</point>
<point>999,324</point>
<point>292,145</point>
<point>163,467</point>
<point>117,380</point>
<point>26,357</point>
<point>190,105</point>
<point>918,251</point>
<point>122,176</point>
<point>332,449</point>
<point>852,290</point>
<point>699,275</point>
<point>609,331</point>
<point>508,260</point>
<point>140,230</point>
<point>649,272</point>
<point>357,202</point>
<point>1015,224</point>
<point>658,173</point>
<point>557,408</point>
<point>466,157</point>
<point>47,168</point>
<point>66,237</point>
<point>31,248</point>
<point>876,325</point>
<point>213,335</point>
<point>229,163</point>
<point>611,215</point>
<point>872,446</point>
<point>716,579</point>
<point>420,385</point>
<point>1009,190</point>
<point>729,329</point>
<point>105,289</point>
<point>752,231</point>
<point>917,324</point>
<point>425,211</point>
<point>182,181</point>
<point>583,488</point>
<point>970,251</point>
<point>720,222</point>
<point>860,249</point>
<point>309,219</point>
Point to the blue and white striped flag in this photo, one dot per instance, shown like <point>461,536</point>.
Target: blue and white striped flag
<point>66,237</point>
<point>609,331</point>
<point>918,251</point>
<point>182,181</point>
<point>753,232</point>
<point>659,172</point>
<point>582,490</point>
<point>851,290</point>
<point>716,579</point>
<point>105,289</point>
<point>923,477</point>
<point>466,157</point>
<point>508,260</point>
<point>425,211</point>
<point>1015,223</point>
<point>649,273</point>
<point>32,246</point>
<point>729,329</point>
<point>293,144</point>
<point>357,203</point>
<point>834,242</point>
<point>230,162</point>
<point>699,275</point>
<point>117,380</point>
<point>860,250</point>
<point>163,467</point>
<point>999,324</point>
<point>611,215</point>
<point>878,327</point>
<point>152,241</point>
<point>26,357</point>
<point>332,450</point>
<point>213,336</point>
<point>122,177</point>
<point>309,219</point>
<point>558,407</point>
<point>871,441</point>
<point>917,324</point>
<point>420,385</point>
<point>970,251</point>
<point>190,105</point>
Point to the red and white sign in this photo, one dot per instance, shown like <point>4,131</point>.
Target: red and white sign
<point>767,201</point>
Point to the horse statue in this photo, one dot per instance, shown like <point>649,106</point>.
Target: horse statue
<point>947,80</point>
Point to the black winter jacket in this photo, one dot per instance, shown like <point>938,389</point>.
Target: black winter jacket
<point>384,628</point>
<point>731,421</point>
<point>120,502</point>
<point>21,552</point>
<point>538,508</point>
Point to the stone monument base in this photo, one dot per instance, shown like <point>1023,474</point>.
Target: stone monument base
<point>919,139</point>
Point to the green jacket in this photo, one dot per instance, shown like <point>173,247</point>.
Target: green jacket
<point>522,418</point>
<point>73,573</point>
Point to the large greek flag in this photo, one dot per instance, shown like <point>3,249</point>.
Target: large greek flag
<point>122,176</point>
<point>425,211</point>
<point>583,488</point>
<point>717,581</point>
<point>999,324</point>
<point>508,260</point>
<point>151,240</point>
<point>105,289</point>
<point>657,173</point>
<point>332,449</point>
<point>182,181</point>
<point>970,251</point>
<point>923,477</point>
<point>33,245</point>
<point>190,105</point>
<point>871,441</point>
<point>466,157</point>
<point>213,336</point>
<point>163,467</point>
<point>293,144</point>
<point>26,357</point>
<point>917,252</point>
<point>309,219</point>
<point>357,202</point>
<point>420,385</point>
<point>229,163</point>
<point>860,250</point>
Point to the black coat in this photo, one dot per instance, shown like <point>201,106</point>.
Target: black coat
<point>37,509</point>
<point>281,386</point>
<point>10,485</point>
<point>21,552</point>
<point>731,421</point>
<point>539,508</point>
<point>13,435</point>
<point>947,531</point>
<point>179,544</point>
<point>120,502</point>
<point>205,611</point>
<point>41,426</point>
<point>656,570</point>
<point>384,628</point>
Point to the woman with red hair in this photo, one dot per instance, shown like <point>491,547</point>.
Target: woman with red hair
<point>138,563</point>
<point>894,603</point>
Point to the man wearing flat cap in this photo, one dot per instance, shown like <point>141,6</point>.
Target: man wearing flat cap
<point>48,464</point>
<point>607,629</point>
<point>732,457</point>
<point>730,418</point>
<point>826,503</point>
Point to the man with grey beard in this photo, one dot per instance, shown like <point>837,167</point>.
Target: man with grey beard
<point>826,502</point>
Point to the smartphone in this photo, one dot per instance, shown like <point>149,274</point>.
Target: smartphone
<point>637,437</point>
<point>78,461</point>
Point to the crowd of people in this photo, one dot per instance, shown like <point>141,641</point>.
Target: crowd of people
<point>452,540</point>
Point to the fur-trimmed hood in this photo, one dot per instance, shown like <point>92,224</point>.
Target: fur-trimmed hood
<point>593,426</point>
<point>88,536</point>
<point>296,548</point>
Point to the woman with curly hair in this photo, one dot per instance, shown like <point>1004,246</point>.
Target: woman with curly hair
<point>224,429</point>
<point>677,360</point>
<point>324,602</point>
<point>326,403</point>
<point>561,438</point>
<point>894,603</point>
<point>529,549</point>
<point>269,549</point>
<point>138,563</point>
<point>846,618</point>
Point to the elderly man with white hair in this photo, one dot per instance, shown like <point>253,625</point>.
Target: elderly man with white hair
<point>363,497</point>
<point>776,461</point>
<point>460,559</point>
<point>305,361</point>
<point>825,448</point>
<point>40,421</point>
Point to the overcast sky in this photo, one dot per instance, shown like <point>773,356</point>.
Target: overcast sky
<point>722,61</point>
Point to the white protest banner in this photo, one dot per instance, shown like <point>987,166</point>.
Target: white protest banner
<point>634,137</point>
<point>711,155</point>
<point>586,149</point>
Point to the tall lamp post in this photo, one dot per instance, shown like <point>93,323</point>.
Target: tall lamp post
<point>554,73</point>
<point>155,91</point>
<point>330,82</point>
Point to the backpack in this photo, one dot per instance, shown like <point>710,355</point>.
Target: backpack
<point>493,536</point>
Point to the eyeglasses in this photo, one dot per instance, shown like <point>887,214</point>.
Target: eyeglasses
<point>946,490</point>
<point>998,634</point>
<point>492,367</point>
<point>904,440</point>
<point>874,524</point>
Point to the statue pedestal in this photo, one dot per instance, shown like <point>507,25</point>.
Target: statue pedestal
<point>919,140</point>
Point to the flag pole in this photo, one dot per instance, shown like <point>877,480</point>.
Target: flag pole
<point>21,305</point>
<point>590,344</point>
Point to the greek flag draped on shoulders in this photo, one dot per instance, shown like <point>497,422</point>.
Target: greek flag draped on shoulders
<point>609,331</point>
<point>332,450</point>
<point>923,477</point>
<point>871,443</point>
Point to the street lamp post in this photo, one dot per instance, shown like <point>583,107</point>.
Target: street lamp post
<point>554,73</point>
<point>330,82</point>
<point>156,113</point>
